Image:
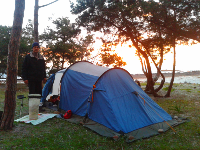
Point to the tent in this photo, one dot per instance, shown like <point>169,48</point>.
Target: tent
<point>52,86</point>
<point>109,97</point>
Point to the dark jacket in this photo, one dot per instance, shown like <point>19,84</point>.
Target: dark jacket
<point>33,69</point>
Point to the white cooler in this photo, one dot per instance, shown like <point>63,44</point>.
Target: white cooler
<point>34,102</point>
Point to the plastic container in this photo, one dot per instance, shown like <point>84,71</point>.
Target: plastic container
<point>34,102</point>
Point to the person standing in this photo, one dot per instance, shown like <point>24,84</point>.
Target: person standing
<point>34,70</point>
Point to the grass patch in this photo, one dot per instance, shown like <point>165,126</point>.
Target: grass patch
<point>59,134</point>
<point>187,90</point>
<point>166,89</point>
<point>143,83</point>
<point>177,106</point>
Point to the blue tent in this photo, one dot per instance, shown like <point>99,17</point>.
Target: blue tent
<point>47,89</point>
<point>109,97</point>
<point>52,86</point>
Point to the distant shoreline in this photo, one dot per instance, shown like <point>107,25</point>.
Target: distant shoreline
<point>142,76</point>
<point>177,74</point>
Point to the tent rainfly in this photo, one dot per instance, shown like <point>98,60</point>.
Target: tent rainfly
<point>52,86</point>
<point>109,97</point>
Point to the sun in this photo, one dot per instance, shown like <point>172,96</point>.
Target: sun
<point>128,55</point>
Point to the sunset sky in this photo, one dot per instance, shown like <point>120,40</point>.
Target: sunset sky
<point>187,56</point>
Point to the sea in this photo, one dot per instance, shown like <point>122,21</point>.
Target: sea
<point>180,79</point>
<point>192,77</point>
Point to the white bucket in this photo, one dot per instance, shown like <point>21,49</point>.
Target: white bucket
<point>34,102</point>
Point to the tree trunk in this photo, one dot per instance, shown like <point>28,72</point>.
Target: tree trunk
<point>173,72</point>
<point>158,72</point>
<point>174,63</point>
<point>150,83</point>
<point>36,21</point>
<point>36,18</point>
<point>11,81</point>
<point>161,57</point>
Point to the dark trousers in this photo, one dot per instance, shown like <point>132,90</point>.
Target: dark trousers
<point>35,87</point>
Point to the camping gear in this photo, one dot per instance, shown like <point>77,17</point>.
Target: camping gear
<point>108,101</point>
<point>138,134</point>
<point>41,118</point>
<point>47,89</point>
<point>68,114</point>
<point>52,86</point>
<point>34,102</point>
<point>22,104</point>
<point>109,97</point>
<point>54,99</point>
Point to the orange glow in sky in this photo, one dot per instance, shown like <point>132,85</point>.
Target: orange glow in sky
<point>187,58</point>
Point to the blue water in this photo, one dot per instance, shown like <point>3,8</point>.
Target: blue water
<point>180,79</point>
<point>185,79</point>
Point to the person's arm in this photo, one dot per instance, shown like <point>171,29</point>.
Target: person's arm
<point>26,82</point>
<point>25,70</point>
<point>44,78</point>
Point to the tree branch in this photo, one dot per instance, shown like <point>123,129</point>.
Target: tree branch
<point>48,4</point>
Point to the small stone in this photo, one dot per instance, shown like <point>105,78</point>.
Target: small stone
<point>130,137</point>
<point>175,117</point>
<point>160,130</point>
<point>115,137</point>
<point>56,112</point>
